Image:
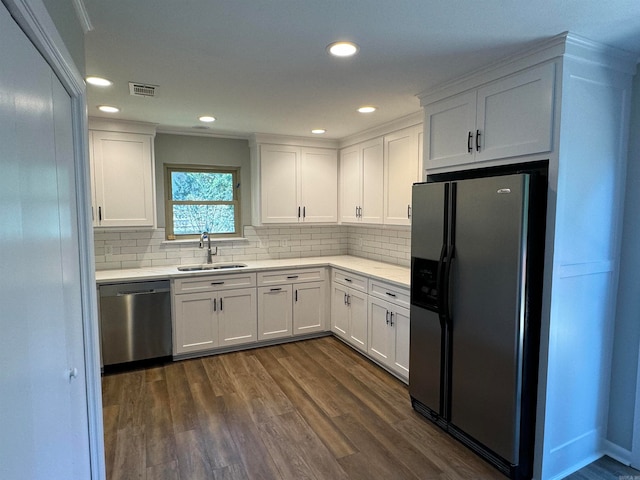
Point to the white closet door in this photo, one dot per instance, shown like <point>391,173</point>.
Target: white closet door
<point>43,411</point>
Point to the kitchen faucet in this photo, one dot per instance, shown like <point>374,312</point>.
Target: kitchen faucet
<point>203,237</point>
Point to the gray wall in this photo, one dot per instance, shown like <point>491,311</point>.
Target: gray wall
<point>66,21</point>
<point>200,150</point>
<point>627,328</point>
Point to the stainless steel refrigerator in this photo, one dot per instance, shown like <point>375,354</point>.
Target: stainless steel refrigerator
<point>477,249</point>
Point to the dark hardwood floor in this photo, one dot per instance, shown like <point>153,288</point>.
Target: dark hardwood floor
<point>306,410</point>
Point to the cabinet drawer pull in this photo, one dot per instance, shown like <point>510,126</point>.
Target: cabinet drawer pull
<point>391,294</point>
<point>477,140</point>
<point>469,146</point>
<point>348,280</point>
<point>275,289</point>
<point>292,276</point>
<point>217,283</point>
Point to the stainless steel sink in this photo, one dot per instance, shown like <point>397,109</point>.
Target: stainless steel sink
<point>210,266</point>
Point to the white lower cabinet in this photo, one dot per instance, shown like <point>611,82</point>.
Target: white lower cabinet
<point>389,335</point>
<point>207,320</point>
<point>291,302</point>
<point>349,308</point>
<point>214,311</point>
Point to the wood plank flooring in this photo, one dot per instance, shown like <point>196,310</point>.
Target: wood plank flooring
<point>306,410</point>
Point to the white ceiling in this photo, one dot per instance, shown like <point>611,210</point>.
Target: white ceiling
<point>261,65</point>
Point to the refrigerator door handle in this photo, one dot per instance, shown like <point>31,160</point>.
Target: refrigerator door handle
<point>439,279</point>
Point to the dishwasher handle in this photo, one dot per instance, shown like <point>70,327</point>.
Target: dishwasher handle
<point>143,292</point>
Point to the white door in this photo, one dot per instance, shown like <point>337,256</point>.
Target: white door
<point>196,325</point>
<point>401,341</point>
<point>401,167</point>
<point>43,404</point>
<point>122,170</point>
<point>372,181</point>
<point>238,316</point>
<point>380,346</point>
<point>308,307</point>
<point>449,128</point>
<point>515,115</point>
<point>274,312</point>
<point>358,319</point>
<point>319,185</point>
<point>339,311</point>
<point>350,173</point>
<point>279,183</point>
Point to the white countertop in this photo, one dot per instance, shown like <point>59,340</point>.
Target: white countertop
<point>395,274</point>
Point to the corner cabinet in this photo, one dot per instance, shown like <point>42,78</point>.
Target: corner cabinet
<point>123,178</point>
<point>291,302</point>
<point>361,180</point>
<point>510,117</point>
<point>402,168</point>
<point>294,184</point>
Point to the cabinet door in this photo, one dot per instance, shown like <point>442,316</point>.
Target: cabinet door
<point>339,311</point>
<point>196,325</point>
<point>515,115</point>
<point>401,341</point>
<point>237,316</point>
<point>380,331</point>
<point>350,180</point>
<point>309,302</point>
<point>447,125</point>
<point>319,185</point>
<point>279,183</point>
<point>358,327</point>
<point>401,171</point>
<point>372,181</point>
<point>123,179</point>
<point>274,312</point>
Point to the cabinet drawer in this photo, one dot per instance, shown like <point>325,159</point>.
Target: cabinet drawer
<point>356,282</point>
<point>290,276</point>
<point>213,282</point>
<point>391,293</point>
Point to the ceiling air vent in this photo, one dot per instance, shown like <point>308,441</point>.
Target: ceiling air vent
<point>142,89</point>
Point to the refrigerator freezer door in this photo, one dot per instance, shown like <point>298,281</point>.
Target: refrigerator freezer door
<point>488,310</point>
<point>428,222</point>
<point>425,354</point>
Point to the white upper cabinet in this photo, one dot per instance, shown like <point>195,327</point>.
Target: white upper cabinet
<point>510,117</point>
<point>296,184</point>
<point>361,182</point>
<point>402,168</point>
<point>123,179</point>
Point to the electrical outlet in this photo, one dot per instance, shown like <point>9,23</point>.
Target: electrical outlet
<point>108,249</point>
<point>262,244</point>
<point>284,242</point>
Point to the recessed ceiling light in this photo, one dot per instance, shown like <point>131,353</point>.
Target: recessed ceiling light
<point>108,109</point>
<point>318,131</point>
<point>99,81</point>
<point>207,118</point>
<point>343,49</point>
<point>367,109</point>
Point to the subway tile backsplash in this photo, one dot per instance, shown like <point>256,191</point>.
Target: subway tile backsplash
<point>115,249</point>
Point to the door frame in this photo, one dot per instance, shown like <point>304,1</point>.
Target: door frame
<point>34,20</point>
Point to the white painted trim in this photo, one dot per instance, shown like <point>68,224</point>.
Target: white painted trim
<point>616,452</point>
<point>122,126</point>
<point>34,20</point>
<point>384,129</point>
<point>201,132</point>
<point>83,15</point>
<point>587,268</point>
<point>635,442</point>
<point>260,138</point>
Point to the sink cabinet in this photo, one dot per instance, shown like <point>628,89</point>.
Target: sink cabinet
<point>211,312</point>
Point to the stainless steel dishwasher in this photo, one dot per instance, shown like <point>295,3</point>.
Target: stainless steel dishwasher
<point>135,321</point>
